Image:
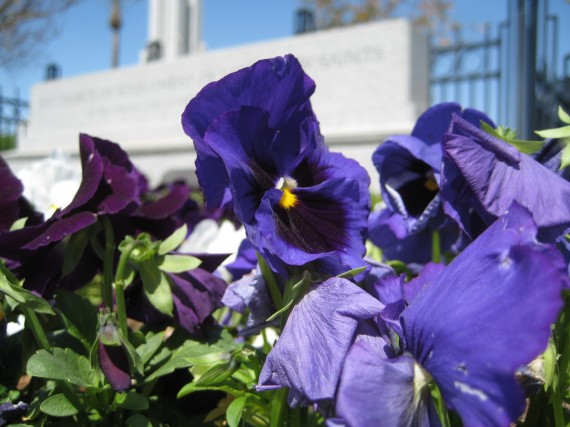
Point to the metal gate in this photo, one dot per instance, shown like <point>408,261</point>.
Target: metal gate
<point>486,74</point>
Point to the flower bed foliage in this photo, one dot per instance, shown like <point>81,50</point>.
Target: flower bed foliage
<point>444,302</point>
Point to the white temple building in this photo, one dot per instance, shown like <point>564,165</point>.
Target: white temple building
<point>372,81</point>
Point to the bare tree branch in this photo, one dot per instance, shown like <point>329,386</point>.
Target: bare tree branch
<point>26,26</point>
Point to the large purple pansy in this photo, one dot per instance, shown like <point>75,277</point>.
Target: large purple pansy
<point>297,201</point>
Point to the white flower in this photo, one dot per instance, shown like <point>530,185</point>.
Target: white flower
<point>51,183</point>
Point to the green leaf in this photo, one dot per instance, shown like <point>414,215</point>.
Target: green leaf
<point>509,136</point>
<point>58,406</point>
<point>19,224</point>
<point>179,263</point>
<point>173,241</point>
<point>563,115</point>
<point>150,347</point>
<point>79,316</point>
<point>156,287</point>
<point>23,296</point>
<point>194,353</point>
<point>215,374</point>
<point>550,364</point>
<point>235,409</point>
<point>565,157</point>
<point>351,273</point>
<point>561,132</point>
<point>138,420</point>
<point>192,388</point>
<point>131,401</point>
<point>74,250</point>
<point>65,365</point>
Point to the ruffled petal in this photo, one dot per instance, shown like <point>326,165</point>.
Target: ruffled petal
<point>487,174</point>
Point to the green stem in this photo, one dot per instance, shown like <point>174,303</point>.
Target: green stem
<point>435,247</point>
<point>121,308</point>
<point>120,289</point>
<point>270,282</point>
<point>278,407</point>
<point>36,327</point>
<point>108,263</point>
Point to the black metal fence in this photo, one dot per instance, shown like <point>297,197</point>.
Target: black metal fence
<point>13,113</point>
<point>486,74</point>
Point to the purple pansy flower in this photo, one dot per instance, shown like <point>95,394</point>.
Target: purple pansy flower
<point>467,332</point>
<point>278,86</point>
<point>309,355</point>
<point>297,201</point>
<point>409,168</point>
<point>196,295</point>
<point>484,175</point>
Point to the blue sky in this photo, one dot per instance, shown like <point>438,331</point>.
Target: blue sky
<point>84,42</point>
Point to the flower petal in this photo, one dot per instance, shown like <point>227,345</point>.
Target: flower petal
<point>487,174</point>
<point>377,391</point>
<point>488,313</point>
<point>309,355</point>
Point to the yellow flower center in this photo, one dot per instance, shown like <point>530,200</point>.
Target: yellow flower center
<point>288,198</point>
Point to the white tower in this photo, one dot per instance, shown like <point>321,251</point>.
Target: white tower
<point>174,28</point>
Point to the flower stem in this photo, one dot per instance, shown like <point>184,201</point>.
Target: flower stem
<point>108,263</point>
<point>36,327</point>
<point>270,283</point>
<point>120,288</point>
<point>435,247</point>
<point>278,407</point>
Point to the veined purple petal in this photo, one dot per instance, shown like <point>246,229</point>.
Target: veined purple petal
<point>500,294</point>
<point>309,355</point>
<point>377,391</point>
<point>328,218</point>
<point>490,174</point>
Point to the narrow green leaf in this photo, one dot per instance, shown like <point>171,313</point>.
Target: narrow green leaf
<point>550,364</point>
<point>173,241</point>
<point>216,374</point>
<point>156,287</point>
<point>561,132</point>
<point>351,273</point>
<point>58,406</point>
<point>60,364</point>
<point>19,224</point>
<point>192,388</point>
<point>235,409</point>
<point>131,401</point>
<point>565,157</point>
<point>563,115</point>
<point>179,263</point>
